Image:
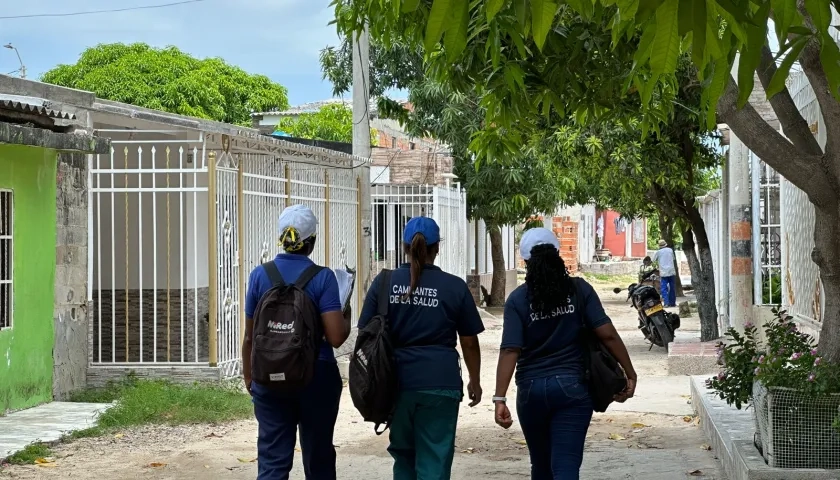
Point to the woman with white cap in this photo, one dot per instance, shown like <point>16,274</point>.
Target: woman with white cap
<point>428,311</point>
<point>315,407</point>
<point>540,342</point>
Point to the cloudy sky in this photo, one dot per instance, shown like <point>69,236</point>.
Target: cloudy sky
<point>277,38</point>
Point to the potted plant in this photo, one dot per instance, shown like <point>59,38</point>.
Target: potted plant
<point>794,393</point>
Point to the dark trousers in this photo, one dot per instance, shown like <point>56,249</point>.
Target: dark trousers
<point>423,436</point>
<point>669,291</point>
<point>554,412</point>
<point>279,415</point>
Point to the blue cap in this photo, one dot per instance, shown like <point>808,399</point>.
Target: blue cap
<point>424,226</point>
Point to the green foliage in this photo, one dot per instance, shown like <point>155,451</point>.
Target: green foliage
<point>788,359</point>
<point>30,453</point>
<point>581,57</point>
<point>170,80</point>
<point>141,402</point>
<point>331,122</point>
<point>771,288</point>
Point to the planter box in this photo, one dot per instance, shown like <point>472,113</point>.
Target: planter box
<point>794,430</point>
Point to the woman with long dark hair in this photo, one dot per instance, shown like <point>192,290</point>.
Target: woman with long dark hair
<point>429,310</point>
<point>540,341</point>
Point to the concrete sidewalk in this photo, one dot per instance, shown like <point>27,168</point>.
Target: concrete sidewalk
<point>45,423</point>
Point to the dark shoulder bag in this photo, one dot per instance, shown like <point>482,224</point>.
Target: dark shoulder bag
<point>601,370</point>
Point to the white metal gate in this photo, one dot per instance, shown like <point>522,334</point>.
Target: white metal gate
<point>394,205</point>
<point>146,265</point>
<point>226,234</point>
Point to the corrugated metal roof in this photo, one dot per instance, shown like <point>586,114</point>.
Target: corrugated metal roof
<point>34,105</point>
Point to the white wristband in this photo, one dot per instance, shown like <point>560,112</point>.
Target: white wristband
<point>500,399</point>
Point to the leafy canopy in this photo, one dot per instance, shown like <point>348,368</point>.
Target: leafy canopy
<point>331,122</point>
<point>170,80</point>
<point>583,56</point>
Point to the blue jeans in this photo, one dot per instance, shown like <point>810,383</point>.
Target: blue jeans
<point>554,412</point>
<point>314,410</point>
<point>669,290</point>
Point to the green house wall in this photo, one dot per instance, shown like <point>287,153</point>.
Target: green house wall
<point>26,359</point>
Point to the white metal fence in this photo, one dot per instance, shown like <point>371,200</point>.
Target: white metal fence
<point>394,205</point>
<point>177,220</point>
<point>147,222</point>
<point>481,260</point>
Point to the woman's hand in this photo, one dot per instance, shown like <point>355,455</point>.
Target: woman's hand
<point>474,391</point>
<point>628,391</point>
<point>503,418</point>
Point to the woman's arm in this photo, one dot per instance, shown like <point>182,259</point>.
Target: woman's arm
<point>472,358</point>
<point>504,372</point>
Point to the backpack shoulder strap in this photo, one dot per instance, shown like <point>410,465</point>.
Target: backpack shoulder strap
<point>273,273</point>
<point>384,285</point>
<point>307,275</point>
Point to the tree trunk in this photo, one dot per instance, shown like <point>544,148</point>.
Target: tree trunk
<point>826,255</point>
<point>666,229</point>
<point>702,275</point>
<point>497,253</point>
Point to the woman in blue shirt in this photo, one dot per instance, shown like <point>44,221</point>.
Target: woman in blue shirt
<point>428,310</point>
<point>315,408</point>
<point>539,341</point>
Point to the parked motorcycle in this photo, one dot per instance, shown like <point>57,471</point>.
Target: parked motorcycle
<point>657,325</point>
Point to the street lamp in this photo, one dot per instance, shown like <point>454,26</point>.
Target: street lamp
<point>22,66</point>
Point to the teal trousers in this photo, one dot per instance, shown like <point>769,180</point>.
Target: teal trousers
<point>423,436</point>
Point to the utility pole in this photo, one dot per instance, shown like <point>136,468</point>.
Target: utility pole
<point>362,148</point>
<point>361,91</point>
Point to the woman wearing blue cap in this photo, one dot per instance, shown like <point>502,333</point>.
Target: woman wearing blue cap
<point>315,408</point>
<point>540,341</point>
<point>428,310</point>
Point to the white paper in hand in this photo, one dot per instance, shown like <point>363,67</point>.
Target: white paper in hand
<point>346,280</point>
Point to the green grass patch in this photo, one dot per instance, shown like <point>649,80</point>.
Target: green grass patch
<point>619,280</point>
<point>28,455</point>
<point>147,402</point>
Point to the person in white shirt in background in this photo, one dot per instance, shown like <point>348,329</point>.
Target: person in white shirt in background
<point>665,260</point>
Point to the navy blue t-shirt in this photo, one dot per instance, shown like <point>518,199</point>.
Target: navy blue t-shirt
<point>425,327</point>
<point>549,343</point>
<point>322,289</point>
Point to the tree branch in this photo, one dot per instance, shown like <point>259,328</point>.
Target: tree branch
<point>793,124</point>
<point>829,106</point>
<point>800,168</point>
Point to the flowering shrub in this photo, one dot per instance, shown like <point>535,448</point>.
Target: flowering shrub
<point>788,359</point>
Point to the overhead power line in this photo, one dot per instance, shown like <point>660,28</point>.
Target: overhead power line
<point>93,12</point>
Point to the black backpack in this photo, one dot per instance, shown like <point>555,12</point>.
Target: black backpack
<point>373,374</point>
<point>287,332</point>
<point>602,373</point>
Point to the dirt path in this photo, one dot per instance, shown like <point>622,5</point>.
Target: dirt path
<point>620,445</point>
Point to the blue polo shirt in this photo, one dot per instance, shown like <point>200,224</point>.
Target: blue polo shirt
<point>425,327</point>
<point>549,343</point>
<point>322,289</point>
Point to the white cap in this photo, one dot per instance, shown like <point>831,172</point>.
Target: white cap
<point>301,218</point>
<point>536,236</point>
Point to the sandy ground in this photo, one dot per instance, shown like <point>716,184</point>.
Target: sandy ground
<point>635,442</point>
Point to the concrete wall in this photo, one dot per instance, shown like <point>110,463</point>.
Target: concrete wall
<point>70,313</point>
<point>26,360</point>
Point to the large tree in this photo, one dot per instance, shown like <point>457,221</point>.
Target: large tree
<point>487,40</point>
<point>499,193</point>
<point>331,122</point>
<point>170,80</point>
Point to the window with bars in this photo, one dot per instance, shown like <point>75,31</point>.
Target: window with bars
<point>767,241</point>
<point>6,226</point>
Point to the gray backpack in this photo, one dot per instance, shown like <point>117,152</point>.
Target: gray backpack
<point>287,332</point>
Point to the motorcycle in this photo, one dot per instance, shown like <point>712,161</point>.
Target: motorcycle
<point>657,325</point>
